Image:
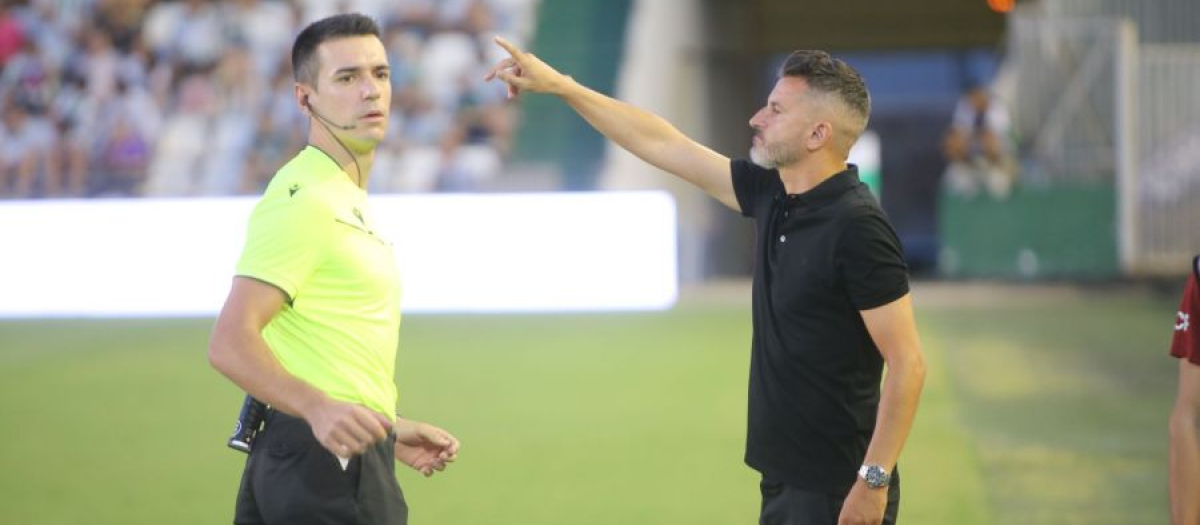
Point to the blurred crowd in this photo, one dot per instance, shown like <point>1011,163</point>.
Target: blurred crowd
<point>194,97</point>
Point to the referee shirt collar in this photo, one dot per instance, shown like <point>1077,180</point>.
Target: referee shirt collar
<point>325,162</point>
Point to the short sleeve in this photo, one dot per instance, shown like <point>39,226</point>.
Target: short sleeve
<point>285,242</point>
<point>871,262</point>
<point>1185,344</point>
<point>753,185</point>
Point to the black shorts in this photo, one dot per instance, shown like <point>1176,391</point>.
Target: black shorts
<point>785,505</point>
<point>291,479</point>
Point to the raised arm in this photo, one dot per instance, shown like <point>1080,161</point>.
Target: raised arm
<point>238,350</point>
<point>638,131</point>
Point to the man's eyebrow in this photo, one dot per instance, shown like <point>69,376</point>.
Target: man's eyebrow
<point>356,69</point>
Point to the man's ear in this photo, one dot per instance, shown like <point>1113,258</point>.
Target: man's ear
<point>302,96</point>
<point>820,135</point>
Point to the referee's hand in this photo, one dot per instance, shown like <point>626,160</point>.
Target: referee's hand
<point>424,447</point>
<point>346,429</point>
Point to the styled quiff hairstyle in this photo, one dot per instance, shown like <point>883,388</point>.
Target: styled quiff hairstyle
<point>305,66</point>
<point>832,76</point>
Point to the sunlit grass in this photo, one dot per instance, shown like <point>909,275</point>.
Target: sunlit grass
<point>1035,411</point>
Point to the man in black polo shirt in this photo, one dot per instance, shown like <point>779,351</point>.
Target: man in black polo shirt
<point>831,301</point>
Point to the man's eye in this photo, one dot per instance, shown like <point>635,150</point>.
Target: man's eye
<point>383,75</point>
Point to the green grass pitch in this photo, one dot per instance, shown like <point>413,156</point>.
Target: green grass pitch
<point>1039,408</point>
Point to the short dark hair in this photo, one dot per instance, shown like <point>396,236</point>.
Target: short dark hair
<point>304,61</point>
<point>827,74</point>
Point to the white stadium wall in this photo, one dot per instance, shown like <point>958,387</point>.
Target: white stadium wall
<point>456,253</point>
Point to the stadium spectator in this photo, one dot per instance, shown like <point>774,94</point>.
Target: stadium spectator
<point>477,140</point>
<point>100,64</point>
<point>831,299</point>
<point>1184,459</point>
<point>66,16</point>
<point>238,92</point>
<point>121,20</point>
<point>27,79</point>
<point>412,158</point>
<point>264,27</point>
<point>27,150</point>
<point>188,33</point>
<point>203,64</point>
<point>54,37</point>
<point>978,150</point>
<point>178,166</point>
<point>122,156</point>
<point>280,134</point>
<point>123,159</point>
<point>12,33</point>
<point>74,116</point>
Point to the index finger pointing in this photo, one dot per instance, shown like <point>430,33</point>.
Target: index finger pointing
<point>512,50</point>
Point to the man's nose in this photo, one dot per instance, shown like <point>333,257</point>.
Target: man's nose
<point>372,90</point>
<point>754,121</point>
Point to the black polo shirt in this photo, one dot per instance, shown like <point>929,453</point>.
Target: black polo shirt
<point>820,258</point>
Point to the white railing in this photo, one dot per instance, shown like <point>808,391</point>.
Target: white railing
<point>1094,104</point>
<point>1064,102</point>
<point>1157,21</point>
<point>1163,188</point>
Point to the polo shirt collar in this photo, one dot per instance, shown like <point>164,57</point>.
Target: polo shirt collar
<point>829,189</point>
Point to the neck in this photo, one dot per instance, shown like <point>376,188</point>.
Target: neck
<point>354,163</point>
<point>800,177</point>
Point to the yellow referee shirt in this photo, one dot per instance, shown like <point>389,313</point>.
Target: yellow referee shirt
<point>311,236</point>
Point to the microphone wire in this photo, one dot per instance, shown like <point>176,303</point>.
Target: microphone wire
<point>353,158</point>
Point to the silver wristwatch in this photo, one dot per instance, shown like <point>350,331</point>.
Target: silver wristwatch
<point>875,476</point>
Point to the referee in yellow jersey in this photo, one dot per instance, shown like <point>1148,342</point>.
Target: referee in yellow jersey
<point>312,321</point>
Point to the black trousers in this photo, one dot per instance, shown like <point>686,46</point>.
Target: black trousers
<point>291,479</point>
<point>784,505</point>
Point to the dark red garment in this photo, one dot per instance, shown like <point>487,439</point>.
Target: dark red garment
<point>1186,344</point>
<point>12,37</point>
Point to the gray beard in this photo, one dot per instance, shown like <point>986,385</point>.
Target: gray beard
<point>760,158</point>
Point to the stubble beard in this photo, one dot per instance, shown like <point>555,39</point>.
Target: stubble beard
<point>771,156</point>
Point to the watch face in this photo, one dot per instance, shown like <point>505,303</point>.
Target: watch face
<point>875,477</point>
